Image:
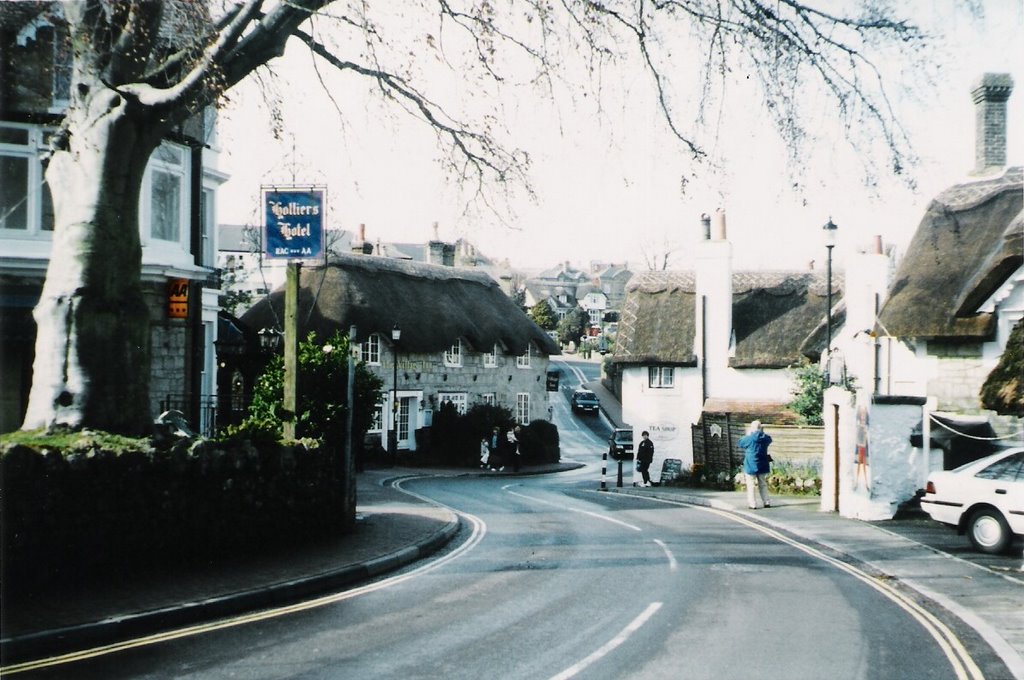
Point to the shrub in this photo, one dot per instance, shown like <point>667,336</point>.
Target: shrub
<point>538,443</point>
<point>323,381</point>
<point>76,510</point>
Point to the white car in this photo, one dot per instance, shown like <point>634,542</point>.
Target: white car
<point>984,499</point>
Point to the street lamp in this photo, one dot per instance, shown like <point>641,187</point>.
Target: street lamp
<point>396,334</point>
<point>270,340</point>
<point>830,230</point>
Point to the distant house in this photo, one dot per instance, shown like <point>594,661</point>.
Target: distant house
<point>462,339</point>
<point>712,341</point>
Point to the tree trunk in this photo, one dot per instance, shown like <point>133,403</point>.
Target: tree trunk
<point>92,360</point>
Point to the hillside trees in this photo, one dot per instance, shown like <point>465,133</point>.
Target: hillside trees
<point>141,67</point>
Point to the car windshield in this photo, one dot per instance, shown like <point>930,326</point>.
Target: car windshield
<point>624,435</point>
<point>584,395</point>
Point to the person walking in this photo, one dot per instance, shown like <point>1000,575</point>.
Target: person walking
<point>644,457</point>
<point>493,442</point>
<point>513,447</point>
<point>756,463</point>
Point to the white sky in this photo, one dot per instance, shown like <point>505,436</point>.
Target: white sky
<point>608,188</point>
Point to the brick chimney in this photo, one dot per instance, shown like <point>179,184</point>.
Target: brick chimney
<point>359,244</point>
<point>990,94</point>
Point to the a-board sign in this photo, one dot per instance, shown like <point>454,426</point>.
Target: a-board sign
<point>671,468</point>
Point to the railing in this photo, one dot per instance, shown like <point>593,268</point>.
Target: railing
<point>211,418</point>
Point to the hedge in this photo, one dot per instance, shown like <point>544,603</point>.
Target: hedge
<point>63,512</point>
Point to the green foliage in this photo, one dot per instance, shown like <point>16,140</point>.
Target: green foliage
<point>544,316</point>
<point>74,440</point>
<point>573,326</point>
<point>323,376</point>
<point>1003,390</point>
<point>809,393</point>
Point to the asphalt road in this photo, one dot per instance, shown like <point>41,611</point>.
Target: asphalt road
<point>555,580</point>
<point>552,579</point>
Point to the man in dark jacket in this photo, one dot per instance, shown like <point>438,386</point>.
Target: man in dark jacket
<point>756,463</point>
<point>644,457</point>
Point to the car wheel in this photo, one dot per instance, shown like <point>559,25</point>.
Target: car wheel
<point>988,531</point>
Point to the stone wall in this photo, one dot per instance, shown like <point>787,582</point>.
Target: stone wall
<point>960,371</point>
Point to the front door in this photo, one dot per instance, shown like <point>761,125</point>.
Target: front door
<point>404,431</point>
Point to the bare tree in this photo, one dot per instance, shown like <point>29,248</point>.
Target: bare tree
<point>132,84</point>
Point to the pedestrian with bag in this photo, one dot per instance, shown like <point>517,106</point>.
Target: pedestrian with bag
<point>644,457</point>
<point>756,463</point>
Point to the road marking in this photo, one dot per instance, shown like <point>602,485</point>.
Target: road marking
<point>623,635</point>
<point>959,658</point>
<point>477,533</point>
<point>597,515</point>
<point>672,564</point>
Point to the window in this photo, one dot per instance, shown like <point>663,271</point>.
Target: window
<point>458,399</point>
<point>1008,469</point>
<point>491,358</point>
<point>370,350</point>
<point>453,357</point>
<point>208,225</point>
<point>167,181</point>
<point>26,206</point>
<point>523,360</point>
<point>660,376</point>
<point>489,399</point>
<point>523,408</point>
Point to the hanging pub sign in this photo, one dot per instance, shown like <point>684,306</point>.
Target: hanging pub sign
<point>552,381</point>
<point>177,298</point>
<point>293,223</point>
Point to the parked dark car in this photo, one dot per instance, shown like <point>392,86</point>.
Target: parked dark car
<point>584,400</point>
<point>620,444</point>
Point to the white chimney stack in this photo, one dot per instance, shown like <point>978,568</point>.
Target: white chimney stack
<point>713,271</point>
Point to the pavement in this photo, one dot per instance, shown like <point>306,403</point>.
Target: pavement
<point>395,529</point>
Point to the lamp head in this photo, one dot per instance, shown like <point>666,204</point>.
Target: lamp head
<point>830,230</point>
<point>396,333</point>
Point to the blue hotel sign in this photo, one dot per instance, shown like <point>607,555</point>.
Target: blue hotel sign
<point>294,223</point>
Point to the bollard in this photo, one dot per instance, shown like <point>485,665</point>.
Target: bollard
<point>604,471</point>
<point>619,482</point>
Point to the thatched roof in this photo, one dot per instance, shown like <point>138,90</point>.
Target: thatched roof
<point>432,304</point>
<point>968,243</point>
<point>776,318</point>
<point>1003,391</point>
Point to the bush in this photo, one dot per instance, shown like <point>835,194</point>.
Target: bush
<point>455,439</point>
<point>538,443</point>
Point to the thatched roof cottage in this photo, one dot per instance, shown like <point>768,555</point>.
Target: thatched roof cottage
<point>704,339</point>
<point>462,339</point>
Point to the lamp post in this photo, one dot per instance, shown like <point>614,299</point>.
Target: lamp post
<point>396,334</point>
<point>830,230</point>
